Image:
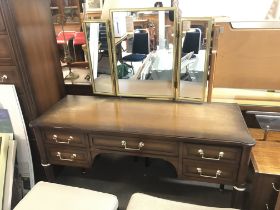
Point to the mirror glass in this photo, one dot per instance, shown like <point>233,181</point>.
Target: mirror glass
<point>99,56</point>
<point>144,48</point>
<point>194,41</point>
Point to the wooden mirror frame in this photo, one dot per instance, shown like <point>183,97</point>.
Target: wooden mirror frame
<point>174,65</point>
<point>209,21</point>
<point>108,34</point>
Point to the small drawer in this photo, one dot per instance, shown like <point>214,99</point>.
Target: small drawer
<point>6,52</point>
<point>212,153</point>
<point>138,145</point>
<point>9,75</point>
<point>70,157</point>
<point>66,138</point>
<point>215,173</point>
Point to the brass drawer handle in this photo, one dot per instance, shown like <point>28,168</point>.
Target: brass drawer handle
<point>4,77</point>
<point>273,186</point>
<point>140,145</point>
<point>70,138</point>
<point>201,152</point>
<point>218,173</point>
<point>73,156</point>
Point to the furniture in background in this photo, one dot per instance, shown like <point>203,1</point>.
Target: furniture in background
<point>46,196</point>
<point>31,63</point>
<point>266,176</point>
<point>7,160</point>
<point>140,201</point>
<point>66,12</point>
<point>206,148</point>
<point>246,75</point>
<point>78,41</point>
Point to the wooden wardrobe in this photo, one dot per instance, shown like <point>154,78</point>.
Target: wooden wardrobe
<point>29,58</point>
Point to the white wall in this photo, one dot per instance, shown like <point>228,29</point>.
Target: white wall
<point>235,9</point>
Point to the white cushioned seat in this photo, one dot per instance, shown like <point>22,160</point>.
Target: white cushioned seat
<point>139,201</point>
<point>50,196</point>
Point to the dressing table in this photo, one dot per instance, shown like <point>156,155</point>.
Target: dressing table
<point>204,142</point>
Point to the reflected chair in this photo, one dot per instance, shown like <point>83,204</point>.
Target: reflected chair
<point>103,44</point>
<point>140,48</point>
<point>192,42</point>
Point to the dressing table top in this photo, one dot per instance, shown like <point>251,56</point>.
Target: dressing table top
<point>209,122</point>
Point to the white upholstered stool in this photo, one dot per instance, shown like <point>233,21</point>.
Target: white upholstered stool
<point>139,201</point>
<point>50,196</point>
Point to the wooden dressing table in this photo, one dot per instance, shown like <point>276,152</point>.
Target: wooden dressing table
<point>204,142</point>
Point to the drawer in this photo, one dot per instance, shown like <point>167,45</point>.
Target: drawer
<point>9,75</point>
<point>6,52</point>
<point>214,172</point>
<point>69,157</point>
<point>212,153</point>
<point>59,137</point>
<point>2,25</point>
<point>264,192</point>
<point>135,145</point>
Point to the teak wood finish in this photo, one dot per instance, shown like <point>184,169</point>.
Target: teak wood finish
<point>266,180</point>
<point>209,137</point>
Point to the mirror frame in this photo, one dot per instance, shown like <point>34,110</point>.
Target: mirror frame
<point>109,41</point>
<point>175,60</point>
<point>209,20</point>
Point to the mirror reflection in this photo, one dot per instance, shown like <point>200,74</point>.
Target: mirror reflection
<point>195,43</point>
<point>99,55</point>
<point>144,51</point>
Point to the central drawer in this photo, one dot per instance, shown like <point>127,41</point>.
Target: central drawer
<point>212,153</point>
<point>135,145</point>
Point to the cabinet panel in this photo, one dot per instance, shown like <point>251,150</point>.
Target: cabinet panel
<point>9,75</point>
<point>2,25</point>
<point>264,192</point>
<point>135,145</point>
<point>6,52</point>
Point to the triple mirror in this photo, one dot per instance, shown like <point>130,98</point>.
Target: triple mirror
<point>143,53</point>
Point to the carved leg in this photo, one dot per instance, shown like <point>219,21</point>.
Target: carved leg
<point>238,197</point>
<point>48,168</point>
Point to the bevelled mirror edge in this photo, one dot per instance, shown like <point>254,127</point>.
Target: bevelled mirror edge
<point>114,52</point>
<point>110,90</point>
<point>207,45</point>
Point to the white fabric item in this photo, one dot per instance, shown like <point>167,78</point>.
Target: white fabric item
<point>139,201</point>
<point>50,196</point>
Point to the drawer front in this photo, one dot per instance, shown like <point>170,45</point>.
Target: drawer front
<point>2,25</point>
<point>70,157</point>
<point>9,75</point>
<point>215,173</point>
<point>6,52</point>
<point>265,192</point>
<point>66,138</point>
<point>212,153</point>
<point>135,145</point>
